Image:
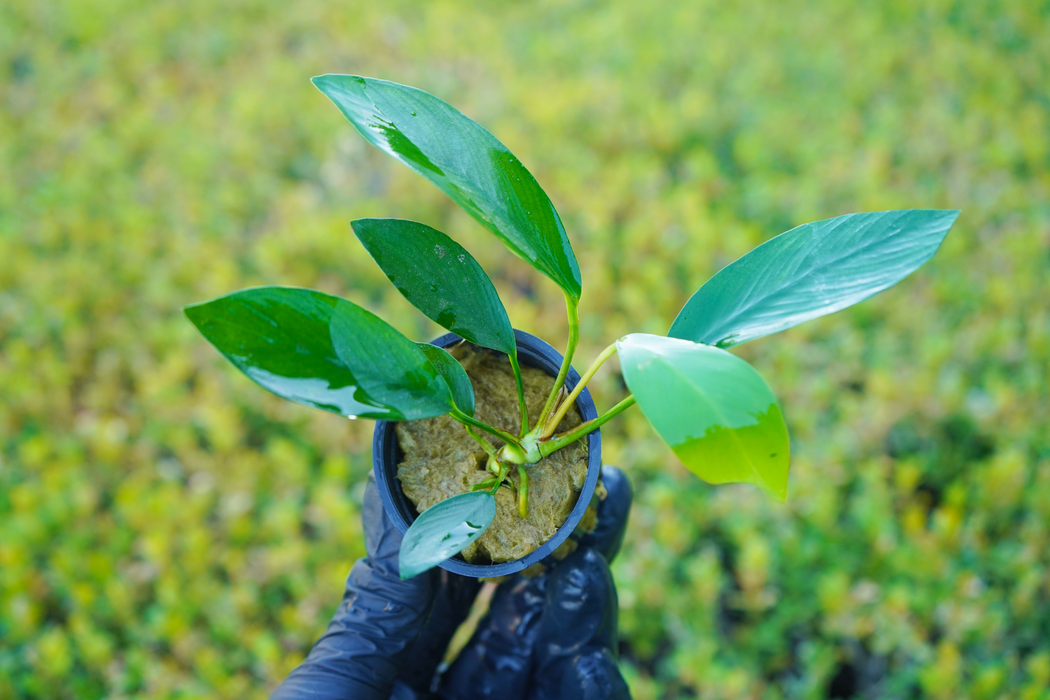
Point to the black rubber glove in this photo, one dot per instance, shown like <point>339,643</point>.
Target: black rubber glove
<point>388,636</point>
<point>553,636</point>
<point>386,631</point>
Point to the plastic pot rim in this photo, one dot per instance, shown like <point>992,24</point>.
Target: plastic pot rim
<point>532,352</point>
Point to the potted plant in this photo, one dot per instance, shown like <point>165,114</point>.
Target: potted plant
<point>716,412</point>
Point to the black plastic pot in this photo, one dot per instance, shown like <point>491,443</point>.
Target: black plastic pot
<point>386,453</point>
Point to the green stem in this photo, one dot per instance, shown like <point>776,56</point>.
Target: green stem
<point>499,477</point>
<point>552,424</point>
<point>522,408</point>
<point>560,441</point>
<point>483,485</point>
<point>523,492</point>
<point>485,444</point>
<point>469,420</point>
<point>574,337</point>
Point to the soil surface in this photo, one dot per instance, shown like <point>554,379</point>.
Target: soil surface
<point>441,460</point>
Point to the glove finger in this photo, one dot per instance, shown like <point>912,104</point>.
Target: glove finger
<point>612,514</point>
<point>452,595</point>
<point>580,608</point>
<point>452,602</point>
<point>369,638</point>
<point>590,675</point>
<point>382,539</point>
<point>576,642</point>
<point>497,661</point>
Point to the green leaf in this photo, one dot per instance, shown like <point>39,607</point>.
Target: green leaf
<point>284,339</point>
<point>444,530</point>
<point>467,162</point>
<point>713,409</point>
<point>811,271</point>
<point>440,278</point>
<point>390,367</point>
<point>454,375</point>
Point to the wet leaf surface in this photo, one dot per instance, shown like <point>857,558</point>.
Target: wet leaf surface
<point>440,278</point>
<point>467,162</point>
<point>322,351</point>
<point>444,530</point>
<point>811,271</point>
<point>454,375</point>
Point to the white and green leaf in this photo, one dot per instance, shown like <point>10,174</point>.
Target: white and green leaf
<point>713,409</point>
<point>444,530</point>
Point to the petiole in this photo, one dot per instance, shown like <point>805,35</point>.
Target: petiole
<point>552,423</point>
<point>481,440</point>
<point>559,441</point>
<point>574,338</point>
<point>522,408</point>
<point>483,485</point>
<point>499,477</point>
<point>523,492</point>
<point>473,422</point>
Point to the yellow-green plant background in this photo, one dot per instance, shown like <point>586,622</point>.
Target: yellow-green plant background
<point>170,530</point>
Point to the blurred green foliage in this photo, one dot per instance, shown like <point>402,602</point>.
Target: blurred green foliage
<point>168,529</point>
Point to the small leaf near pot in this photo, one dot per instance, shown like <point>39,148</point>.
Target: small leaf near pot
<point>445,530</point>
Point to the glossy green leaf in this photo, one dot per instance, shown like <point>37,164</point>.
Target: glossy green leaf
<point>324,352</point>
<point>467,162</point>
<point>713,409</point>
<point>390,367</point>
<point>811,271</point>
<point>453,374</point>
<point>444,530</point>
<point>440,278</point>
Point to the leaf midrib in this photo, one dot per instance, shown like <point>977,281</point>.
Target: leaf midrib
<point>741,309</point>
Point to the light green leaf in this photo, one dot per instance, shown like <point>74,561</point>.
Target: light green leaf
<point>467,162</point>
<point>444,530</point>
<point>454,375</point>
<point>440,278</point>
<point>713,409</point>
<point>811,271</point>
<point>281,337</point>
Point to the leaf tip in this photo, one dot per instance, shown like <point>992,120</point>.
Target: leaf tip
<point>405,569</point>
<point>321,82</point>
<point>366,224</point>
<point>193,313</point>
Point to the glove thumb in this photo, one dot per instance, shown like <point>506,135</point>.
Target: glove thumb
<point>576,642</point>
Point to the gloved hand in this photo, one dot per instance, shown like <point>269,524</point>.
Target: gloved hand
<point>551,636</point>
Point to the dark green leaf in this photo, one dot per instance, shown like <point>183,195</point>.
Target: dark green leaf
<point>811,271</point>
<point>281,338</point>
<point>440,278</point>
<point>444,530</point>
<point>454,375</point>
<point>390,367</point>
<point>458,155</point>
<point>713,409</point>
